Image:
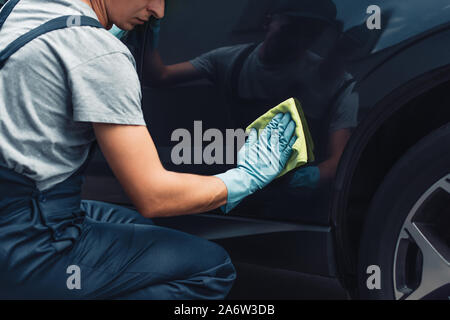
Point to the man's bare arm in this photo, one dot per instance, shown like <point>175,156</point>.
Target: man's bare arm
<point>154,191</point>
<point>157,74</point>
<point>337,142</point>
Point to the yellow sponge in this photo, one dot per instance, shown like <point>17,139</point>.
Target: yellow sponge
<point>303,149</point>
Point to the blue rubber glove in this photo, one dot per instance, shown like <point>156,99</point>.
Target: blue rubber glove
<point>260,160</point>
<point>117,32</point>
<point>305,177</point>
<point>155,27</point>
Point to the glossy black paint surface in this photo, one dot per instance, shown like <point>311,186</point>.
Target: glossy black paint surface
<point>330,44</point>
<point>373,69</point>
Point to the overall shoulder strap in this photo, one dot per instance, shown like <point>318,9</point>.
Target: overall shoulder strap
<point>6,11</point>
<point>55,24</point>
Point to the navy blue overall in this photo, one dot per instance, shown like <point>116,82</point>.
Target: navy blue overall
<point>53,245</point>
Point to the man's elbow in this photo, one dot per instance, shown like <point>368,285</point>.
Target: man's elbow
<point>154,204</point>
<point>151,211</point>
<point>150,194</point>
<point>148,213</point>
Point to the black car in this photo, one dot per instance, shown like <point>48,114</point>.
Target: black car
<point>373,78</point>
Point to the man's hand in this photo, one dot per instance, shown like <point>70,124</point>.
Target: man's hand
<point>260,160</point>
<point>313,176</point>
<point>305,177</point>
<point>265,157</point>
<point>156,73</point>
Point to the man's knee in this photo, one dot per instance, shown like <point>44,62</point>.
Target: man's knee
<point>201,269</point>
<point>182,266</point>
<point>217,272</point>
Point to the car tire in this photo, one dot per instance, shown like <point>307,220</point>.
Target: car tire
<point>404,250</point>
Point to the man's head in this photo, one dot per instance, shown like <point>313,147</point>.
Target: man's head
<point>126,14</point>
<point>324,10</point>
<point>292,27</point>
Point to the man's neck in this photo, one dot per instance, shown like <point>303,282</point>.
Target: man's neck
<point>99,8</point>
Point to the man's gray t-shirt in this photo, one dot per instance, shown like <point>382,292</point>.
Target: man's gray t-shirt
<point>55,86</point>
<point>259,81</point>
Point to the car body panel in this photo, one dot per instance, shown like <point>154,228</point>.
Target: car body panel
<point>409,18</point>
<point>263,242</point>
<point>379,62</point>
<point>385,97</point>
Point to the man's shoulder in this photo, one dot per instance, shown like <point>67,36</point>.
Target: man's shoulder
<point>73,47</point>
<point>70,46</point>
<point>83,44</point>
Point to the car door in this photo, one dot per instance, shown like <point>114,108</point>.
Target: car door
<point>214,33</point>
<point>252,58</point>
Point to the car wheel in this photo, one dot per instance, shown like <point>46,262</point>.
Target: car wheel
<point>404,251</point>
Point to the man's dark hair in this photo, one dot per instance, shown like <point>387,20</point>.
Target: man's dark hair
<point>306,19</point>
<point>321,10</point>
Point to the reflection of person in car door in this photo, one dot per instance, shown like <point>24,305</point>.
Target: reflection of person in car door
<point>276,69</point>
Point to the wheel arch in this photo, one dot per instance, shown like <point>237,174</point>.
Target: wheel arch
<point>353,188</point>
